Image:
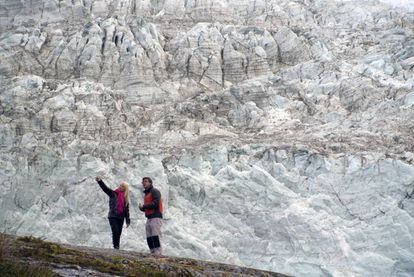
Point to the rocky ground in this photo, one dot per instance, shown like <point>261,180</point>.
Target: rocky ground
<point>29,256</point>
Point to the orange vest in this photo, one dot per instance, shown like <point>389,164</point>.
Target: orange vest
<point>148,200</point>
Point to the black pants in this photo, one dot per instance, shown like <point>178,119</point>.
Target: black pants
<point>116,227</point>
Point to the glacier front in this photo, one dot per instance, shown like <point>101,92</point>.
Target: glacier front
<point>280,133</point>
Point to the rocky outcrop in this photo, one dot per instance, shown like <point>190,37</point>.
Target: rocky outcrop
<point>32,256</point>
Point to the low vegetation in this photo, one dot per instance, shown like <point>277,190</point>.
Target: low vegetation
<point>30,256</point>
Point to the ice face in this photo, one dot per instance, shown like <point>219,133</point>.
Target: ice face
<point>280,133</point>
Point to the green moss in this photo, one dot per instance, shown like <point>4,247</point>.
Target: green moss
<point>193,265</point>
<point>30,239</point>
<point>13,269</point>
<point>39,249</point>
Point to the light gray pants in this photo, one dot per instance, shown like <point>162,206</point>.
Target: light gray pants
<point>153,231</point>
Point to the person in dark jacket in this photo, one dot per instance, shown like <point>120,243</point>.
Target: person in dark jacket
<point>153,211</point>
<point>118,209</point>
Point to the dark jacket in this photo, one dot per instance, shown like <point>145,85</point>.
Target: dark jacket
<point>152,203</point>
<point>113,210</point>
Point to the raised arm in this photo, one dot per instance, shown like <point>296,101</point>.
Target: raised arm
<point>107,190</point>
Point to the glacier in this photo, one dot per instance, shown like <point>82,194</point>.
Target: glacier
<point>280,133</point>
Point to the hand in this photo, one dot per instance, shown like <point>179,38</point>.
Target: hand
<point>127,225</point>
<point>140,207</point>
<point>98,178</point>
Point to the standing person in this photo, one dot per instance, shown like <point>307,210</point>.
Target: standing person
<point>118,209</point>
<point>153,211</point>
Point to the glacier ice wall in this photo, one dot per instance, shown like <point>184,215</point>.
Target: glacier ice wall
<point>279,132</point>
